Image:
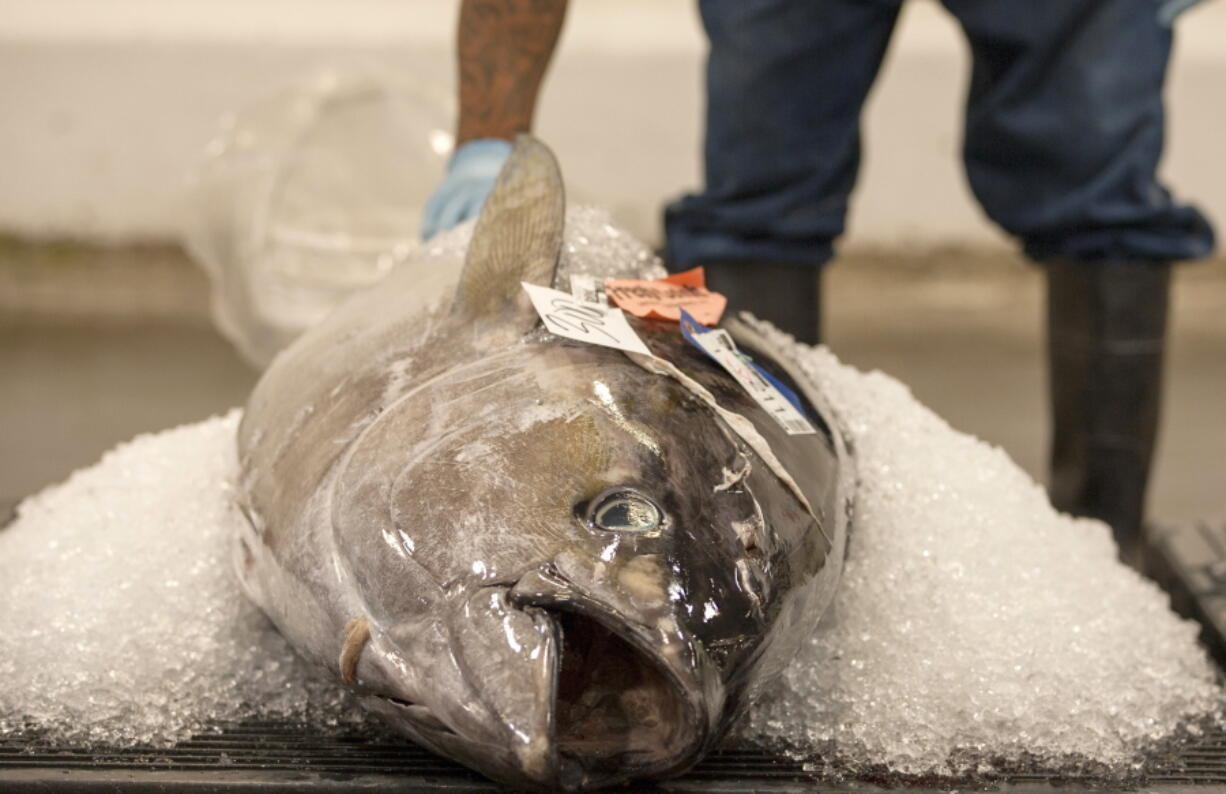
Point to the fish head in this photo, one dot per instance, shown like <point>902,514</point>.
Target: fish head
<point>569,570</point>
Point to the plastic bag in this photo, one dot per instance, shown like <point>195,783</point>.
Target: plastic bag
<point>308,197</point>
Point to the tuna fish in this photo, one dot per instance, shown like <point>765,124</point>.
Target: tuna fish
<point>560,564</point>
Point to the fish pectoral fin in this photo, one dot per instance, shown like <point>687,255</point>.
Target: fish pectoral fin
<point>518,238</point>
<point>357,634</point>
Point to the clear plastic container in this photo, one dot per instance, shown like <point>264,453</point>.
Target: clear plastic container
<point>310,196</point>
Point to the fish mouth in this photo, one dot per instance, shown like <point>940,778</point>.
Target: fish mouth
<point>619,711</point>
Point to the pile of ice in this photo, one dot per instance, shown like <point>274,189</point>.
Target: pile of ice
<point>974,623</point>
<point>120,620</point>
<point>974,626</point>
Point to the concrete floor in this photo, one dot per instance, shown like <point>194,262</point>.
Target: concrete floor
<point>97,346</point>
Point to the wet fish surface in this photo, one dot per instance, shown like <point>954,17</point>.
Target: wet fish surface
<point>563,565</point>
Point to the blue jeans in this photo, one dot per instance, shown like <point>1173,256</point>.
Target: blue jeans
<point>1064,128</point>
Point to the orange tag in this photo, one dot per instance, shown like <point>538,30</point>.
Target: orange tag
<point>664,298</point>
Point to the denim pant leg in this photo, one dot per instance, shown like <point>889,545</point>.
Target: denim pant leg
<point>785,83</point>
<point>1064,128</point>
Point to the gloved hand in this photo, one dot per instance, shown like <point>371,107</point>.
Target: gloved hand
<point>470,177</point>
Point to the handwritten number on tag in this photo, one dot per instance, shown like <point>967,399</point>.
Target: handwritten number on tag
<point>574,318</point>
<point>577,318</point>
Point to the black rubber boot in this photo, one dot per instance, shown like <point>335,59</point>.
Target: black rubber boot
<point>789,295</point>
<point>1106,329</point>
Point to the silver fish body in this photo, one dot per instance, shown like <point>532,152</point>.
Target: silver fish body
<point>550,561</point>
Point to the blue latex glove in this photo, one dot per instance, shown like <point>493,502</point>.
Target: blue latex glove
<point>470,177</point>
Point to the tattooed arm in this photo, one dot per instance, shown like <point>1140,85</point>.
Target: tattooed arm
<point>504,47</point>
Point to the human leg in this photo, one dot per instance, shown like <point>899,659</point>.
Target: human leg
<point>785,83</point>
<point>1106,329</point>
<point>1064,131</point>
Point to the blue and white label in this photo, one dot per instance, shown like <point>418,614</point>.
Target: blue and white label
<point>718,344</point>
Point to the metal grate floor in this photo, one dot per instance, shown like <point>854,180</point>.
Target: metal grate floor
<point>286,756</point>
<point>272,757</point>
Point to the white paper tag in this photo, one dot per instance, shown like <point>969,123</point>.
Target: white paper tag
<point>588,288</point>
<point>719,345</point>
<point>567,316</point>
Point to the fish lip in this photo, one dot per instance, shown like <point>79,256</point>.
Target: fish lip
<point>450,713</point>
<point>485,754</point>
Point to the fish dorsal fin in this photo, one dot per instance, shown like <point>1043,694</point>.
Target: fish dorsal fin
<point>518,238</point>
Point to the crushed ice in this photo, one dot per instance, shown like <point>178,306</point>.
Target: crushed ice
<point>120,620</point>
<point>975,628</point>
<point>974,625</point>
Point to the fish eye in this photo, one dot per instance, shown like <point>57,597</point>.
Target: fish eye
<point>623,510</point>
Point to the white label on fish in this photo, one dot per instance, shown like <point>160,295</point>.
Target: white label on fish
<point>566,315</point>
<point>719,345</point>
